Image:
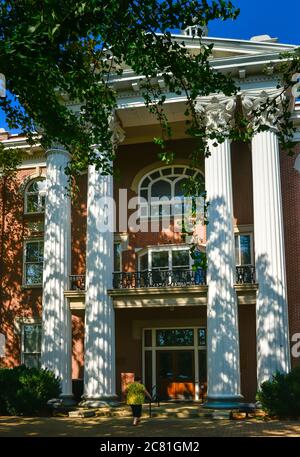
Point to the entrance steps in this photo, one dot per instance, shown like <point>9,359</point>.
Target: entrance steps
<point>164,410</point>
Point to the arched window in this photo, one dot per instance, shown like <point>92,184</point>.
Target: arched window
<point>163,189</point>
<point>35,196</point>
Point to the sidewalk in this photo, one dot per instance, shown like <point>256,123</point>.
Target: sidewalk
<point>121,427</point>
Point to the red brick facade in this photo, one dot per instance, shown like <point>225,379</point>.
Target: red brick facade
<point>19,302</point>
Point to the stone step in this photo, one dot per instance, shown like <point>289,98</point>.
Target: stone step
<point>82,413</point>
<point>162,411</point>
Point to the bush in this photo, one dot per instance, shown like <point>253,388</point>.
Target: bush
<point>281,396</point>
<point>25,391</point>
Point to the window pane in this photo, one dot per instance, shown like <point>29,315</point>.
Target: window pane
<point>178,188</point>
<point>148,338</point>
<point>32,252</point>
<point>32,360</point>
<point>201,337</point>
<point>160,259</point>
<point>41,251</point>
<point>155,175</point>
<point>33,187</point>
<point>42,203</point>
<point>181,258</point>
<point>185,366</point>
<point>237,249</point>
<point>155,210</point>
<point>202,366</point>
<point>32,203</point>
<point>178,171</point>
<point>164,361</point>
<point>117,257</point>
<point>34,273</point>
<point>161,189</point>
<point>146,182</point>
<point>144,194</point>
<point>144,262</point>
<point>167,171</point>
<point>32,338</point>
<point>245,247</point>
<point>190,172</point>
<point>175,337</point>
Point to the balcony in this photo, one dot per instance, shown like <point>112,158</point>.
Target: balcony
<point>164,288</point>
<point>174,278</point>
<point>164,278</point>
<point>159,278</point>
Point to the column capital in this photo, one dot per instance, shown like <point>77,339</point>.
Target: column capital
<point>57,148</point>
<point>217,111</point>
<point>254,103</point>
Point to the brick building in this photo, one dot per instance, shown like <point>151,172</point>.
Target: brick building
<point>94,291</point>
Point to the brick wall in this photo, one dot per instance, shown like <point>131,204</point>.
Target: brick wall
<point>290,181</point>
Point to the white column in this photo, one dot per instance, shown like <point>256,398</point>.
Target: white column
<point>271,307</point>
<point>56,316</point>
<point>99,364</point>
<point>223,358</point>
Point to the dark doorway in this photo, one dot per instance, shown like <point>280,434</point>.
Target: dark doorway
<point>175,374</point>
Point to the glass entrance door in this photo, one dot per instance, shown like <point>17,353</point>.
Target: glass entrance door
<point>175,374</point>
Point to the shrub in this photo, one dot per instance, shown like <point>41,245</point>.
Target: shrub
<point>280,396</point>
<point>25,391</point>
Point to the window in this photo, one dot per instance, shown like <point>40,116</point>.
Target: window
<point>33,262</point>
<point>243,249</point>
<point>165,258</point>
<point>164,193</point>
<point>35,196</point>
<point>31,345</point>
<point>117,257</point>
<point>160,260</point>
<point>180,259</point>
<point>144,262</point>
<point>175,337</point>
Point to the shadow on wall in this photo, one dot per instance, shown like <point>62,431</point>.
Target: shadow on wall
<point>15,303</point>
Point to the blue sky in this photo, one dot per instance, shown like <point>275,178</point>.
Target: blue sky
<point>257,17</point>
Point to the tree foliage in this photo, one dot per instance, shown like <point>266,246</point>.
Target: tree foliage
<point>52,52</point>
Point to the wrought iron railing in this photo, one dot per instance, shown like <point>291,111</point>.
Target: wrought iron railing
<point>77,282</point>
<point>159,278</point>
<point>164,278</point>
<point>245,274</point>
<point>176,277</point>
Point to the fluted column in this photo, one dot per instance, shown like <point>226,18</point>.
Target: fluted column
<point>271,307</point>
<point>56,316</point>
<point>222,313</point>
<point>99,364</point>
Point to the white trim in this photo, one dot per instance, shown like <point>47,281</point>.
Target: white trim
<point>29,182</point>
<point>25,242</point>
<point>163,247</point>
<point>238,235</point>
<point>173,200</point>
<point>34,322</point>
<point>196,348</point>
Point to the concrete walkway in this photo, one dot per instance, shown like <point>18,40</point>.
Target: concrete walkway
<point>121,427</point>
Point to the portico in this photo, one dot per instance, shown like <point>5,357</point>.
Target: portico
<point>218,297</point>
